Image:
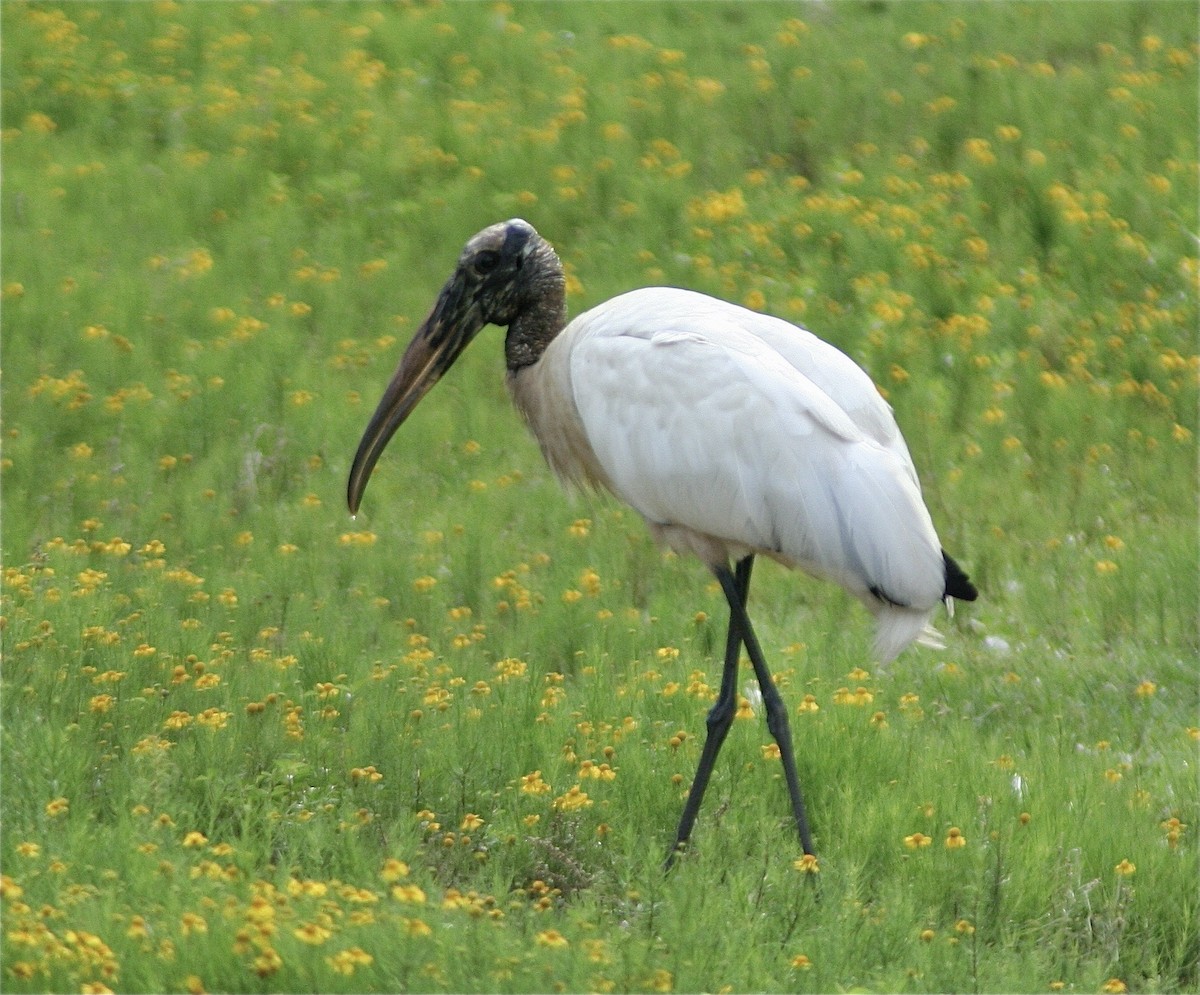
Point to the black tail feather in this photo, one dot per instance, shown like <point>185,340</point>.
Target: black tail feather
<point>958,584</point>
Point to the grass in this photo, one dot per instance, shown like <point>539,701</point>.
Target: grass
<point>252,745</point>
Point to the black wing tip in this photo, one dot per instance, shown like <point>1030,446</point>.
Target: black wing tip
<point>958,584</point>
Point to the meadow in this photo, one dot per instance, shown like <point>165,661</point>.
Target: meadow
<point>250,744</point>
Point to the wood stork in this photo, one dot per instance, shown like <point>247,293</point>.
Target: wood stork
<point>731,432</point>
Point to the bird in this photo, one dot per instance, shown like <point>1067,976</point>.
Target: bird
<point>733,433</point>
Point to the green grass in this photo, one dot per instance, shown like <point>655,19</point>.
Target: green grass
<point>251,745</point>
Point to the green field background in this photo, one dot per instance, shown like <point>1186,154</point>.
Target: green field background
<point>250,744</point>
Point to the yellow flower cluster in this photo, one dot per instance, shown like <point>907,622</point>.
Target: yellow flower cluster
<point>189,622</point>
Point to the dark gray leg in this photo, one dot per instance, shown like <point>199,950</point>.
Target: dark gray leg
<point>720,716</point>
<point>777,719</point>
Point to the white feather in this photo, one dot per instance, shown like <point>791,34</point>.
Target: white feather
<point>733,432</point>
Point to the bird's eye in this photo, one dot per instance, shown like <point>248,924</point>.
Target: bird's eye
<point>486,261</point>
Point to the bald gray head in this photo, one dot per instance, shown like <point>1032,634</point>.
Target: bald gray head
<point>508,275</point>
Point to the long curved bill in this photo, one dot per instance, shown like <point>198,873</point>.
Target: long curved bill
<point>439,341</point>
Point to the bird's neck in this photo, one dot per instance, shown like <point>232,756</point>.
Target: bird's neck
<point>543,315</point>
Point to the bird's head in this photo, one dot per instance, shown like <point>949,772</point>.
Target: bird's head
<point>505,271</point>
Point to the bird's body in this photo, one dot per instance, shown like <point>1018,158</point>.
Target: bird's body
<point>732,433</point>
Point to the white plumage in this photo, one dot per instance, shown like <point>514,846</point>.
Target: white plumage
<point>732,433</point>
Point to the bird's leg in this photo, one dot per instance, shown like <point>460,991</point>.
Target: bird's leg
<point>777,719</point>
<point>720,716</point>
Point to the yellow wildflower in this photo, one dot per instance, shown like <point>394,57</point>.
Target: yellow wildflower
<point>572,801</point>
<point>312,933</point>
<point>416,927</point>
<point>807,864</point>
<point>551,938</point>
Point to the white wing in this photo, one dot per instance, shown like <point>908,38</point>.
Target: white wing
<point>830,369</point>
<point>714,436</point>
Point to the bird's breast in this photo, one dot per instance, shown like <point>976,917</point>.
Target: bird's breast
<point>542,393</point>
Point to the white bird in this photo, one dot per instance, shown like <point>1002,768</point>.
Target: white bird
<point>731,432</point>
